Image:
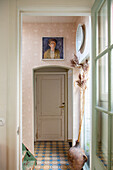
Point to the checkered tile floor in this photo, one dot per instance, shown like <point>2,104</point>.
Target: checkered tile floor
<point>102,156</point>
<point>51,155</point>
<point>103,159</point>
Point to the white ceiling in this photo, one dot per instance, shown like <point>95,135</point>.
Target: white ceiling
<point>49,19</point>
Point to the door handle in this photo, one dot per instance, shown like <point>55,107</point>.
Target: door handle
<point>61,107</point>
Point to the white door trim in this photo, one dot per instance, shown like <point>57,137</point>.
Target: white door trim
<point>65,96</point>
<point>21,9</point>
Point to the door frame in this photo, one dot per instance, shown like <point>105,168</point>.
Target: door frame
<point>60,67</point>
<point>65,97</point>
<point>21,10</point>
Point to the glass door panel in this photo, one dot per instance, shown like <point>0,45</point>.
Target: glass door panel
<point>102,121</point>
<point>87,122</point>
<point>112,80</point>
<point>102,28</point>
<point>102,137</point>
<point>87,137</point>
<point>112,21</point>
<point>112,146</point>
<point>112,105</point>
<point>102,82</point>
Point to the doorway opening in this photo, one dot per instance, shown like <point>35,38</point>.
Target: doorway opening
<point>52,91</point>
<point>36,69</point>
<point>53,86</point>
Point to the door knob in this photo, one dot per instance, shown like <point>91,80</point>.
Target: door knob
<point>61,106</point>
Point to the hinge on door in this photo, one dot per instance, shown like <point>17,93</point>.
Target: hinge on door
<point>18,131</point>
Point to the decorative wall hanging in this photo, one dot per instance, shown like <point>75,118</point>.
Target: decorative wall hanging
<point>52,48</point>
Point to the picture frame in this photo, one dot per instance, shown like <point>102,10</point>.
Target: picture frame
<point>52,48</point>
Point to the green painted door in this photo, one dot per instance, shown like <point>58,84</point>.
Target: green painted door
<point>102,85</point>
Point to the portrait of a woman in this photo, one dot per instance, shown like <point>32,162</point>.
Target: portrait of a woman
<point>52,48</point>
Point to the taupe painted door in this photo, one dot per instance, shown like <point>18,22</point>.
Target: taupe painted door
<point>50,107</point>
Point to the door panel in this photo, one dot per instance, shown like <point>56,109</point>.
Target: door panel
<point>112,81</point>
<point>112,96</point>
<point>49,87</point>
<point>50,114</point>
<point>111,21</point>
<point>50,128</point>
<point>102,137</point>
<point>102,28</point>
<point>102,82</point>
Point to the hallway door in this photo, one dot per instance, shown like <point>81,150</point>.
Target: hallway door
<point>50,107</point>
<point>102,81</point>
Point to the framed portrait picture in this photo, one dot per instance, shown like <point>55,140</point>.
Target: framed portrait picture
<point>52,48</point>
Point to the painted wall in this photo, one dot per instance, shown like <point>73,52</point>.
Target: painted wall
<point>32,57</point>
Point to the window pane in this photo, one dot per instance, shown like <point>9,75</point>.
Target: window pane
<point>102,28</point>
<point>112,106</point>
<point>112,80</point>
<point>112,22</point>
<point>87,121</point>
<point>112,145</point>
<point>102,82</point>
<point>102,137</point>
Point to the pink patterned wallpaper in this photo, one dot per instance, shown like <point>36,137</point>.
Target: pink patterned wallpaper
<point>32,57</point>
